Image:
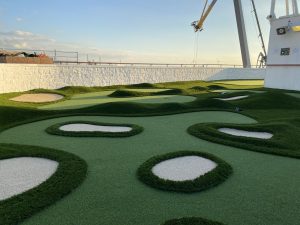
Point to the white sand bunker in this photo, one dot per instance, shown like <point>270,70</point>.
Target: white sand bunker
<point>18,175</point>
<point>233,98</point>
<point>37,98</point>
<point>243,133</point>
<point>81,127</point>
<point>183,168</point>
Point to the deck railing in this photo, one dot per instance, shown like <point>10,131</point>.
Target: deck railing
<point>176,65</point>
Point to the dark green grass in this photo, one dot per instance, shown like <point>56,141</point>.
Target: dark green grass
<point>191,221</point>
<point>216,87</point>
<point>54,130</point>
<point>209,180</point>
<point>280,144</point>
<point>142,85</point>
<point>70,174</point>
<point>129,93</point>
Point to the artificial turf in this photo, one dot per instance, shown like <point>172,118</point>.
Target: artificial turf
<point>262,190</point>
<point>260,186</point>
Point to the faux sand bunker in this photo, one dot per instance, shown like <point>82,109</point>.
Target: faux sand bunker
<point>94,129</point>
<point>184,171</point>
<point>18,175</point>
<point>234,98</point>
<point>37,98</point>
<point>82,127</point>
<point>183,168</point>
<point>243,133</point>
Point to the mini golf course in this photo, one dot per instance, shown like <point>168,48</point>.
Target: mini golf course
<point>151,155</point>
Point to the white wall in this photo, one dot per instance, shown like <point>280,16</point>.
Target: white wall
<point>23,77</point>
<point>287,78</point>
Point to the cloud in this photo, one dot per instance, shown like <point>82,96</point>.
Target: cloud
<point>21,40</point>
<point>19,19</point>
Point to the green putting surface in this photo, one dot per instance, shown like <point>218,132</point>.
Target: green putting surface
<point>263,190</point>
<point>94,98</point>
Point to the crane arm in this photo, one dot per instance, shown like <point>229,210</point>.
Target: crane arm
<point>198,25</point>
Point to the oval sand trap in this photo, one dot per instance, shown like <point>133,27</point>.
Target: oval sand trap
<point>18,175</point>
<point>233,98</point>
<point>37,98</point>
<point>243,133</point>
<point>81,127</point>
<point>183,168</point>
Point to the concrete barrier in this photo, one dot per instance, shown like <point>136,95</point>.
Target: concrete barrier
<point>23,77</point>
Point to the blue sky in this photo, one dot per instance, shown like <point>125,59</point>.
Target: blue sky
<point>130,30</point>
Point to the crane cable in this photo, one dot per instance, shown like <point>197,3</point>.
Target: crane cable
<point>196,41</point>
<point>196,48</point>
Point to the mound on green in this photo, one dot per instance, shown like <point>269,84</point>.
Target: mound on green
<point>127,93</point>
<point>142,85</point>
<point>192,221</point>
<point>215,87</point>
<point>198,88</point>
<point>130,93</point>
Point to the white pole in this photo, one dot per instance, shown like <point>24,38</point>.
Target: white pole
<point>272,13</point>
<point>295,8</point>
<point>242,33</point>
<point>287,4</point>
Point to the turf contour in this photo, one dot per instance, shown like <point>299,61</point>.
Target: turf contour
<point>213,178</point>
<point>94,98</point>
<point>70,173</point>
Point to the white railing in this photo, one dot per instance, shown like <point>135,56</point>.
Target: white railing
<point>150,64</point>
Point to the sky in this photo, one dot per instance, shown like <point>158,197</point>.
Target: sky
<point>153,31</point>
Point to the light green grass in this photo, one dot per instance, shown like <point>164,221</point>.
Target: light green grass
<point>94,98</point>
<point>155,90</point>
<point>242,82</point>
<point>296,95</point>
<point>263,190</point>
